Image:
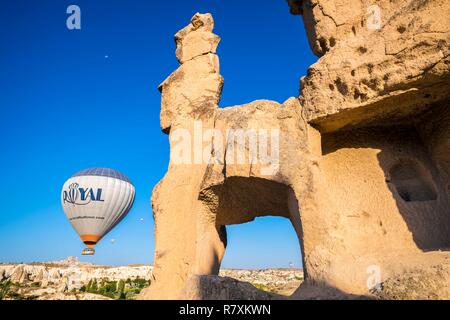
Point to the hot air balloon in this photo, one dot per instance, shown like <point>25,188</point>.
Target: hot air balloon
<point>95,200</point>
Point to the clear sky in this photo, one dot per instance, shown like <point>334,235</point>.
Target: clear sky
<point>74,99</point>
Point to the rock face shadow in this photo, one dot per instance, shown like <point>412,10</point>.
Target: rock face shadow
<point>419,188</point>
<point>413,185</point>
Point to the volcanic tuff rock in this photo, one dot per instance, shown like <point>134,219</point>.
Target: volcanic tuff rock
<point>380,60</point>
<point>360,161</point>
<point>197,82</point>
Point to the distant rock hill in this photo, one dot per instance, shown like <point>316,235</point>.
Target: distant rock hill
<point>69,261</point>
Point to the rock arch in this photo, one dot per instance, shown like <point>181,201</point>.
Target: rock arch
<point>373,98</point>
<point>233,202</point>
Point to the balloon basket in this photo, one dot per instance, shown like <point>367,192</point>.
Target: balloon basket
<point>88,252</point>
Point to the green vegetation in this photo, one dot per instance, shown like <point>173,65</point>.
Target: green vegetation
<point>5,287</point>
<point>8,290</point>
<point>120,290</point>
<point>263,287</point>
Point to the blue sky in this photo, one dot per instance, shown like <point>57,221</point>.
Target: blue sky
<point>76,99</point>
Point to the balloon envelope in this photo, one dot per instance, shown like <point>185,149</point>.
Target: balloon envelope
<point>95,200</point>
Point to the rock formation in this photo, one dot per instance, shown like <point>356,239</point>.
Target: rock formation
<point>68,277</point>
<point>359,162</point>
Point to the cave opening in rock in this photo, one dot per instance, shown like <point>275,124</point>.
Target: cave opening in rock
<point>268,249</point>
<point>412,181</point>
<point>395,168</point>
<point>263,224</point>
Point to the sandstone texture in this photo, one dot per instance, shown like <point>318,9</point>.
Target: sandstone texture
<point>380,60</point>
<point>359,162</point>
